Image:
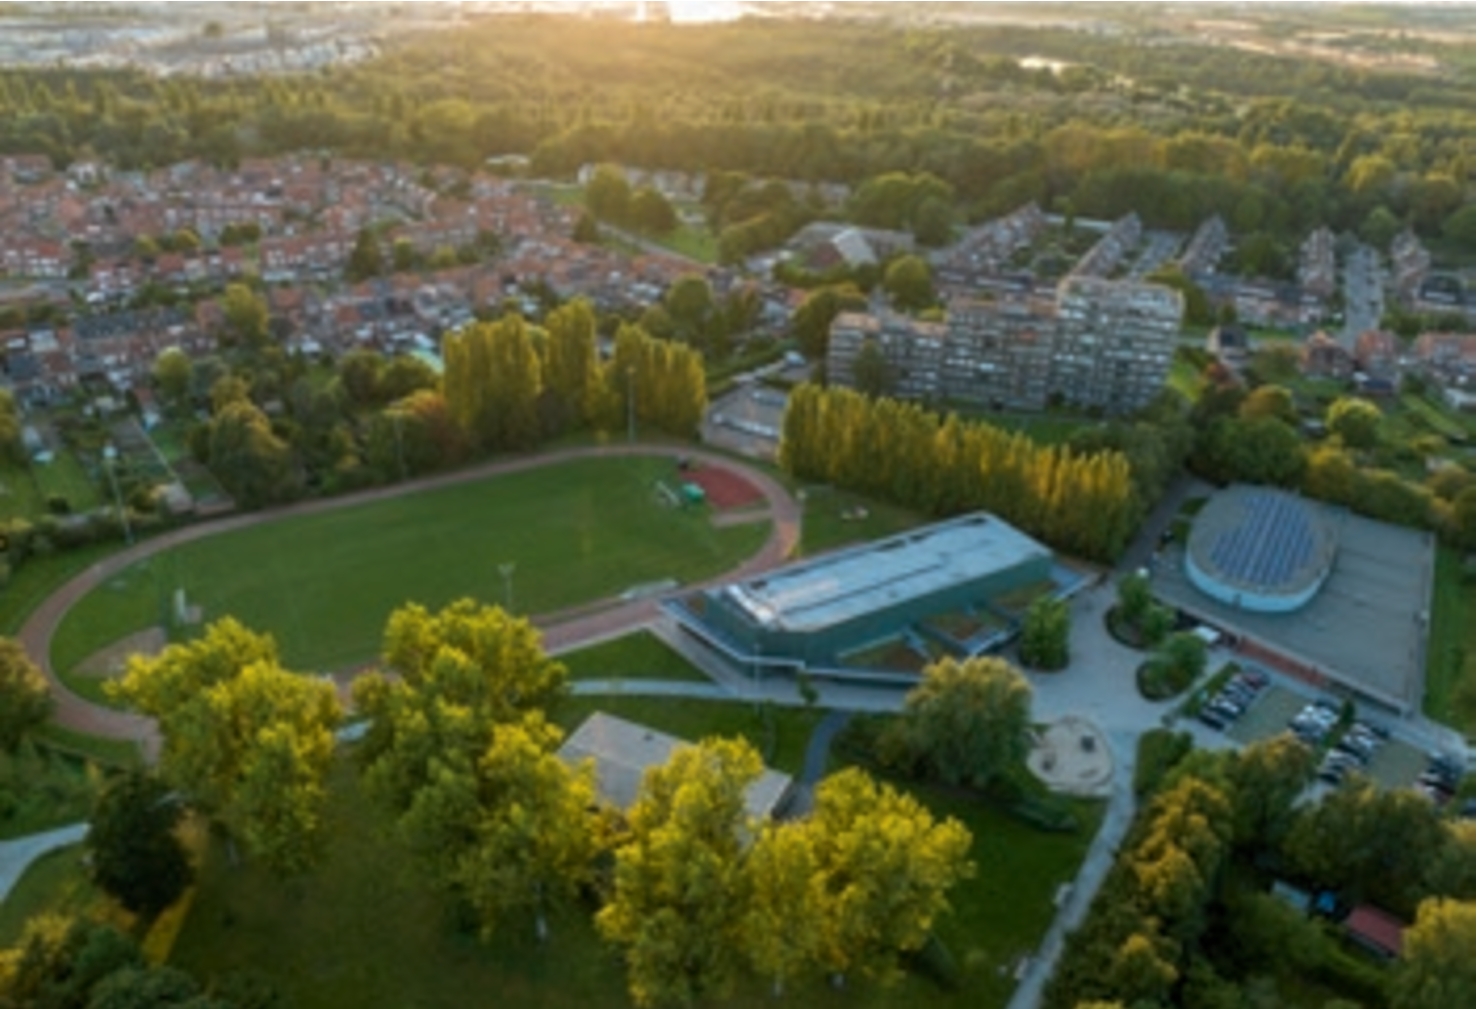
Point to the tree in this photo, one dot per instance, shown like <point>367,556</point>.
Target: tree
<point>403,255</point>
<point>365,259</point>
<point>253,464</point>
<point>608,194</point>
<point>359,376</point>
<point>1135,598</point>
<point>1436,967</point>
<point>909,283</point>
<point>247,742</point>
<point>871,373</point>
<point>1356,421</point>
<point>689,301</point>
<point>1269,401</point>
<point>10,428</point>
<point>783,925</point>
<point>969,720</point>
<point>1265,780</point>
<point>586,232</point>
<point>172,375</point>
<point>649,212</point>
<point>677,905</point>
<point>933,222</point>
<point>810,324</point>
<point>508,829</point>
<point>1186,655</point>
<point>885,869</point>
<point>135,855</point>
<point>1045,633</point>
<point>245,315</point>
<point>25,699</point>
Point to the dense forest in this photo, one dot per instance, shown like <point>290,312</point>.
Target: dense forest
<point>1165,126</point>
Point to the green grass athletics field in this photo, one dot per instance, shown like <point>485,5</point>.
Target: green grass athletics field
<point>324,584</point>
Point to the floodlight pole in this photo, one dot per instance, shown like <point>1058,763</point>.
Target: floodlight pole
<point>109,454</point>
<point>506,570</point>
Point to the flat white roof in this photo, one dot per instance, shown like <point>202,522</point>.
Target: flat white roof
<point>850,583</point>
<point>623,751</point>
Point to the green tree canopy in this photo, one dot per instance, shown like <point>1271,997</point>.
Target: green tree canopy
<point>1436,969</point>
<point>608,194</point>
<point>135,855</point>
<point>25,698</point>
<point>909,283</point>
<point>969,720</point>
<point>1356,421</point>
<point>245,741</point>
<point>677,908</point>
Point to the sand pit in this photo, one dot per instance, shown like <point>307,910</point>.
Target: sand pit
<point>1071,756</point>
<point>110,661</point>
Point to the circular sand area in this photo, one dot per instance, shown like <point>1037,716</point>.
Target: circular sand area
<point>1072,756</point>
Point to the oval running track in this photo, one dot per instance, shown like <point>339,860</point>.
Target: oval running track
<point>560,630</point>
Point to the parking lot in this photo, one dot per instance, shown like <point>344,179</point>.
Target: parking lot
<point>1268,717</point>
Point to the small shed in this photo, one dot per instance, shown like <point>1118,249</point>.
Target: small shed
<point>1377,931</point>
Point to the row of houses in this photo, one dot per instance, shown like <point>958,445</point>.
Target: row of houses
<point>1099,343</point>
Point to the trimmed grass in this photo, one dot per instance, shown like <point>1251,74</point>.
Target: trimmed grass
<point>367,930</point>
<point>19,497</point>
<point>823,527</point>
<point>53,884</point>
<point>40,790</point>
<point>65,477</point>
<point>114,753</point>
<point>689,240</point>
<point>639,656</point>
<point>39,577</point>
<point>1450,688</point>
<point>325,584</point>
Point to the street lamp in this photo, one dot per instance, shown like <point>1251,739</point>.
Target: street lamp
<point>110,454</point>
<point>506,570</point>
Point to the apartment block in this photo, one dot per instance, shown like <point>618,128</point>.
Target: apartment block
<point>1100,343</point>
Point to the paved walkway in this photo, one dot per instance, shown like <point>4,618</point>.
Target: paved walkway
<point>16,856</point>
<point>561,630</point>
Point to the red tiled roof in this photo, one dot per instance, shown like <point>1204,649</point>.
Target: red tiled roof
<point>1377,928</point>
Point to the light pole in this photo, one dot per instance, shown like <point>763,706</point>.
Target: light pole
<point>506,570</point>
<point>109,455</point>
<point>630,403</point>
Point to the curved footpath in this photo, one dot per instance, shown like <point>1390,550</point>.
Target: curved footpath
<point>561,630</point>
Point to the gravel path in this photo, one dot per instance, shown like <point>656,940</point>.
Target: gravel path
<point>561,630</point>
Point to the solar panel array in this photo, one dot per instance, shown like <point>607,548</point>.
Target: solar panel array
<point>1272,543</point>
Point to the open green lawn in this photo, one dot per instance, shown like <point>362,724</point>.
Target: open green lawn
<point>1450,689</point>
<point>365,930</point>
<point>39,577</point>
<point>56,883</point>
<point>638,656</point>
<point>19,497</point>
<point>65,477</point>
<point>693,241</point>
<point>825,525</point>
<point>324,584</point>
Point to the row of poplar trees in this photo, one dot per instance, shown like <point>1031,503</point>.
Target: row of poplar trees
<point>1083,504</point>
<point>509,385</point>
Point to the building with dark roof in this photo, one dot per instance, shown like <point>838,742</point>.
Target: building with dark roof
<point>940,590</point>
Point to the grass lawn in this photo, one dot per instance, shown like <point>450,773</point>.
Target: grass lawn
<point>65,477</point>
<point>1185,378</point>
<point>119,753</point>
<point>54,884</point>
<point>824,528</point>
<point>325,584</point>
<point>693,241</point>
<point>42,789</point>
<point>39,577</point>
<point>19,497</point>
<point>366,930</point>
<point>1450,689</point>
<point>638,656</point>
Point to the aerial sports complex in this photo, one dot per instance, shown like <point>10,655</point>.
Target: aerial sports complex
<point>1340,600</point>
<point>883,610</point>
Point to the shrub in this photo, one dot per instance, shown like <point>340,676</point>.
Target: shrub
<point>1160,750</point>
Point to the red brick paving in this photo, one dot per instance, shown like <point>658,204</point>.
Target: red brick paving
<point>560,629</point>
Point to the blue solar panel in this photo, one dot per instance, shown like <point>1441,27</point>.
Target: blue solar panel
<point>1272,543</point>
